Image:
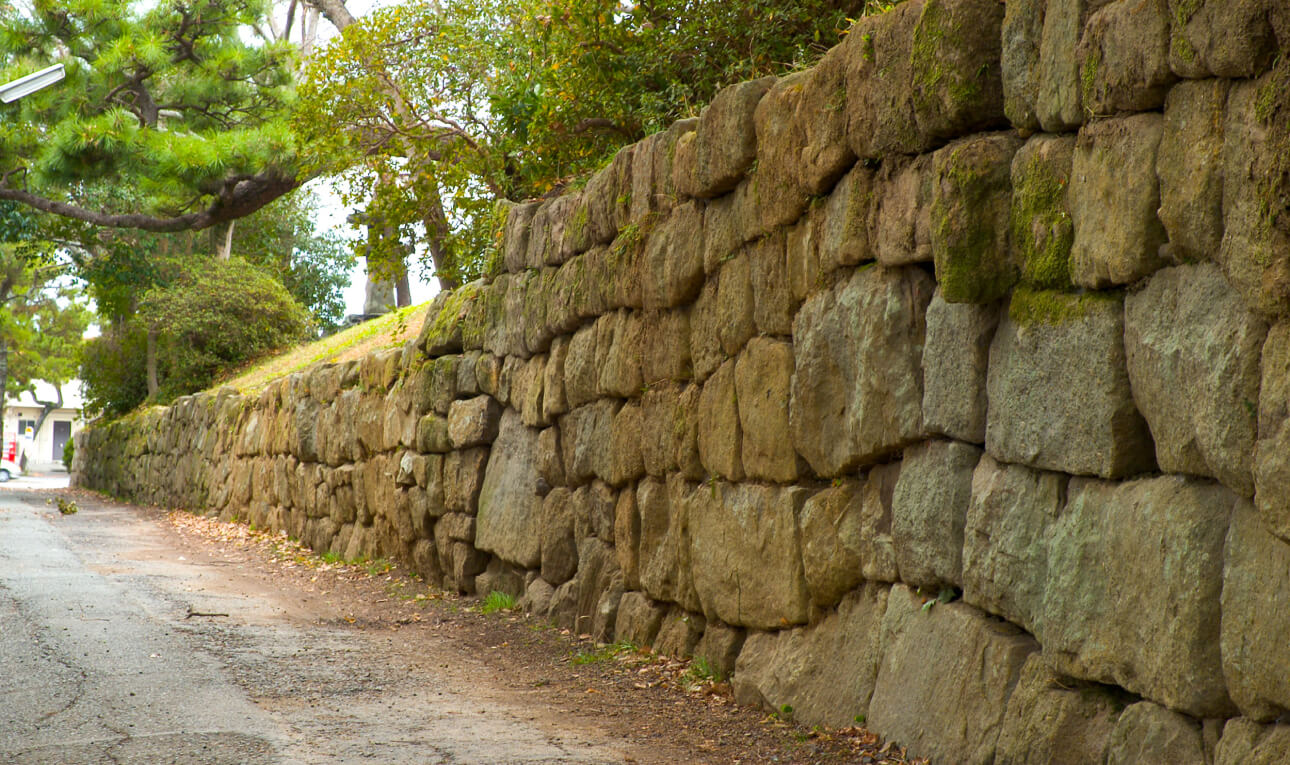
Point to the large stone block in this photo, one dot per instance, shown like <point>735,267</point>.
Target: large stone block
<point>1256,576</point>
<point>473,422</point>
<point>971,213</point>
<point>1059,388</point>
<point>1051,720</point>
<point>955,63</point>
<point>945,677</point>
<point>672,265</point>
<point>720,433</point>
<point>585,435</point>
<point>1190,166</point>
<point>1005,554</point>
<point>704,343</point>
<point>843,224</point>
<point>774,192</point>
<point>1022,31</point>
<point>627,538</point>
<point>857,386</point>
<point>929,512</point>
<point>822,115</point>
<point>665,572</point>
<point>1149,734</point>
<point>773,305</point>
<point>1245,742</point>
<point>625,463</point>
<point>639,619</point>
<point>901,211</point>
<point>1272,450</point>
<point>955,359</point>
<point>581,374</point>
<point>559,547</point>
<point>837,543</point>
<point>463,476</point>
<point>825,672</point>
<point>1042,231</point>
<point>1058,99</point>
<point>665,347</point>
<point>725,142</point>
<point>510,510</point>
<point>745,554</point>
<point>1255,253</point>
<point>1223,38</point>
<point>763,378</point>
<point>880,110</point>
<point>619,338</point>
<point>1162,641</point>
<point>1124,57</point>
<point>1193,356</point>
<point>1114,196</point>
<point>735,315</point>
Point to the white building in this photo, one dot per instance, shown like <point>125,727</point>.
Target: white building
<point>44,450</point>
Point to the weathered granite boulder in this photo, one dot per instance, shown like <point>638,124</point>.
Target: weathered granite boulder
<point>1255,652</point>
<point>1231,38</point>
<point>473,422</point>
<point>1124,57</point>
<point>1005,554</point>
<point>955,63</point>
<point>880,110</point>
<point>1272,450</point>
<point>944,678</point>
<point>1190,166</point>
<point>1160,642</point>
<point>1059,390</point>
<point>559,548</point>
<point>971,214</point>
<point>672,265</point>
<point>1058,102</point>
<point>929,512</point>
<point>725,142</point>
<point>901,211</point>
<point>762,378</point>
<point>625,463</point>
<point>1041,232</point>
<point>822,114</point>
<point>720,433</point>
<point>772,296</point>
<point>955,359</point>
<point>1114,196</point>
<point>774,187</point>
<point>665,346</point>
<point>735,318</point>
<point>665,571</point>
<point>1255,253</point>
<point>745,553</point>
<point>581,374</point>
<point>463,477</point>
<point>720,647</point>
<point>1245,742</point>
<point>619,338</point>
<point>627,538</point>
<point>585,434</point>
<point>1051,720</point>
<point>1193,358</point>
<point>833,541</point>
<point>554,401</point>
<point>1022,30</point>
<point>639,619</point>
<point>679,632</point>
<point>857,385</point>
<point>510,510</point>
<point>1149,734</point>
<point>803,264</point>
<point>825,672</point>
<point>843,224</point>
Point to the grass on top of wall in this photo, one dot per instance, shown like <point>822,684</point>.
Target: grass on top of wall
<point>392,329</point>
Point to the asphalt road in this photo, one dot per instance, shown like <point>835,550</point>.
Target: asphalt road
<point>101,662</point>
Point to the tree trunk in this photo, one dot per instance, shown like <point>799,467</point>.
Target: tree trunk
<point>4,385</point>
<point>151,362</point>
<point>225,249</point>
<point>47,408</point>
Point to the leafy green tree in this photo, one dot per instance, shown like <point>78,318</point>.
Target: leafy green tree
<point>171,100</point>
<point>446,108</point>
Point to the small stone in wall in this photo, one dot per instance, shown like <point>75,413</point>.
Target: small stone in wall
<point>929,512</point>
<point>1051,719</point>
<point>473,422</point>
<point>1148,732</point>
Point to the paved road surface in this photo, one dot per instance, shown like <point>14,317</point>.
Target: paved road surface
<point>100,663</point>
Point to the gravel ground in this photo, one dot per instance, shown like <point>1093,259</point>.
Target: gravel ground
<point>337,663</point>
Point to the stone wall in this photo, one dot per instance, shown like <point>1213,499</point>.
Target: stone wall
<point>945,385</point>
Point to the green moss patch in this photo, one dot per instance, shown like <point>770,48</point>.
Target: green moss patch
<point>1042,231</point>
<point>1029,307</point>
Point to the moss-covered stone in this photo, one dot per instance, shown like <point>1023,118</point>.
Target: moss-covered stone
<point>1041,228</point>
<point>1036,306</point>
<point>955,54</point>
<point>970,217</point>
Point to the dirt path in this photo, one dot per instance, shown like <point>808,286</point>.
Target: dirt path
<point>130,636</point>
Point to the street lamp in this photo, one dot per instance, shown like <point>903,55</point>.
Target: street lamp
<point>25,86</point>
